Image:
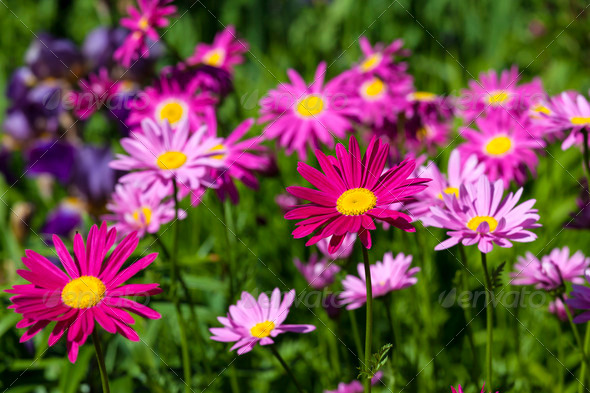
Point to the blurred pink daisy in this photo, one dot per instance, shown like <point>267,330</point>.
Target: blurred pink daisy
<point>460,390</point>
<point>552,271</point>
<point>319,273</point>
<point>344,251</point>
<point>300,115</point>
<point>353,191</point>
<point>557,307</point>
<point>379,60</point>
<point>390,275</point>
<point>480,215</point>
<point>225,52</point>
<point>253,321</point>
<point>569,111</point>
<point>355,386</point>
<point>90,290</point>
<point>504,145</point>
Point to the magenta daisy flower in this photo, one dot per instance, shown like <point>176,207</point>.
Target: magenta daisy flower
<point>355,386</point>
<point>379,60</point>
<point>299,115</point>
<point>133,209</point>
<point>90,290</point>
<point>504,145</point>
<point>569,111</point>
<point>158,155</point>
<point>142,24</point>
<point>390,275</point>
<point>319,273</point>
<point>225,52</point>
<point>552,271</point>
<point>352,192</point>
<point>480,215</point>
<point>252,321</point>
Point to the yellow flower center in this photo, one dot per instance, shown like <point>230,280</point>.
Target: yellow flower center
<point>422,96</point>
<point>141,214</point>
<point>497,97</point>
<point>580,121</point>
<point>373,89</point>
<point>83,292</point>
<point>216,148</point>
<point>356,201</point>
<point>262,329</point>
<point>143,23</point>
<point>498,146</point>
<point>171,111</point>
<point>171,160</point>
<point>214,57</point>
<point>310,106</point>
<point>474,223</point>
<point>371,62</point>
<point>542,109</point>
<point>450,190</point>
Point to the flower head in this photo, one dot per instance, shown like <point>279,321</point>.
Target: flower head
<point>344,251</point>
<point>390,275</point>
<point>253,321</point>
<point>90,290</point>
<point>558,307</point>
<point>552,271</point>
<point>355,386</point>
<point>225,52</point>
<point>319,273</point>
<point>569,111</point>
<point>580,300</point>
<point>379,59</point>
<point>353,191</point>
<point>480,215</point>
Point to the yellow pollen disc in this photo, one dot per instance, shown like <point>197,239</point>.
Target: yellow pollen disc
<point>215,148</point>
<point>356,201</point>
<point>373,89</point>
<point>146,212</point>
<point>83,292</point>
<point>172,112</point>
<point>473,224</point>
<point>542,109</point>
<point>143,23</point>
<point>214,58</point>
<point>171,160</point>
<point>450,190</point>
<point>497,97</point>
<point>310,106</point>
<point>498,145</point>
<point>580,121</point>
<point>371,62</point>
<point>262,329</point>
<point>422,96</point>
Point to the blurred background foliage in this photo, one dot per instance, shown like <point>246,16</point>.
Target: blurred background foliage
<point>452,42</point>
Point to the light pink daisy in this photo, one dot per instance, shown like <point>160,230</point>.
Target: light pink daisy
<point>380,60</point>
<point>390,275</point>
<point>355,386</point>
<point>90,290</point>
<point>158,155</point>
<point>504,145</point>
<point>225,52</point>
<point>344,251</point>
<point>552,271</point>
<point>252,321</point>
<point>569,111</point>
<point>319,273</point>
<point>482,216</point>
<point>352,192</point>
<point>299,115</point>
<point>557,307</point>
<point>133,209</point>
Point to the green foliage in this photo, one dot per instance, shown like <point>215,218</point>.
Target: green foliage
<point>377,361</point>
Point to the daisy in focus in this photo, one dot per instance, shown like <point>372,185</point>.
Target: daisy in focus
<point>352,192</point>
<point>90,290</point>
<point>319,273</point>
<point>250,321</point>
<point>225,52</point>
<point>482,216</point>
<point>390,275</point>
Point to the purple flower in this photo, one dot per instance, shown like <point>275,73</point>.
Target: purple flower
<point>55,158</point>
<point>50,57</point>
<point>319,273</point>
<point>63,220</point>
<point>580,300</point>
<point>92,175</point>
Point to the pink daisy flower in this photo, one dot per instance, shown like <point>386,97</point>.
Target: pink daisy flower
<point>319,273</point>
<point>390,275</point>
<point>90,290</point>
<point>481,215</point>
<point>552,271</point>
<point>569,111</point>
<point>557,307</point>
<point>355,386</point>
<point>252,321</point>
<point>379,60</point>
<point>493,92</point>
<point>460,390</point>
<point>300,115</point>
<point>133,209</point>
<point>225,52</point>
<point>504,145</point>
<point>142,23</point>
<point>352,193</point>
<point>458,173</point>
<point>345,250</point>
<point>158,155</point>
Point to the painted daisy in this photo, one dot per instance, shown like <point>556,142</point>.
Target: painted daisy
<point>252,321</point>
<point>225,52</point>
<point>355,386</point>
<point>379,60</point>
<point>319,273</point>
<point>90,290</point>
<point>480,215</point>
<point>353,191</point>
<point>569,111</point>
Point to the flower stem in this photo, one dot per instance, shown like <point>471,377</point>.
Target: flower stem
<point>100,358</point>
<point>489,320</point>
<point>586,154</point>
<point>584,366</point>
<point>286,367</point>
<point>576,333</point>
<point>467,314</point>
<point>369,325</point>
<point>227,216</point>
<point>356,335</point>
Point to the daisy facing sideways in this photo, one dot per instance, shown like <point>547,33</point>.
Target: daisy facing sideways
<point>225,52</point>
<point>91,289</point>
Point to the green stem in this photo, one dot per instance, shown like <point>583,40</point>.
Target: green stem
<point>369,324</point>
<point>489,321</point>
<point>394,333</point>
<point>100,358</point>
<point>584,366</point>
<point>575,331</point>
<point>586,154</point>
<point>467,314</point>
<point>227,216</point>
<point>356,334</point>
<point>286,367</point>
